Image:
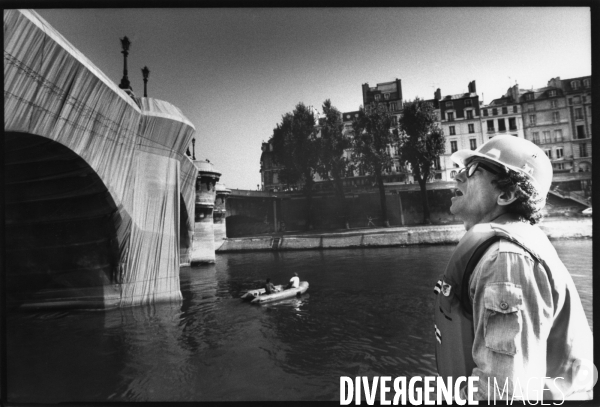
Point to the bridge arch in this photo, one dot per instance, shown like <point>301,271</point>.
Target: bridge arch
<point>61,226</point>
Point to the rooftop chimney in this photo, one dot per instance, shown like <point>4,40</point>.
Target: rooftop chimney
<point>472,88</point>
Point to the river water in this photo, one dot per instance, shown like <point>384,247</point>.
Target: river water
<point>367,312</point>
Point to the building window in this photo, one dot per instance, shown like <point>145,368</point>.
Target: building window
<point>490,125</point>
<point>583,150</point>
<point>575,85</point>
<point>377,97</point>
<point>546,137</point>
<point>450,116</point>
<point>558,135</point>
<point>501,125</point>
<point>494,111</point>
<point>438,165</point>
<point>586,83</point>
<point>584,98</point>
<point>473,143</point>
<point>452,174</point>
<point>552,93</point>
<point>555,117</point>
<point>529,96</point>
<point>485,113</point>
<point>386,96</point>
<point>580,132</point>
<point>515,109</point>
<point>577,100</point>
<point>453,146</point>
<point>449,104</point>
<point>512,123</point>
<point>548,153</point>
<point>505,110</point>
<point>570,101</point>
<point>530,107</point>
<point>468,102</point>
<point>469,114</point>
<point>532,120</point>
<point>393,106</point>
<point>554,104</point>
<point>471,128</point>
<point>535,137</point>
<point>394,121</point>
<point>452,131</point>
<point>559,166</point>
<point>578,113</point>
<point>559,152</point>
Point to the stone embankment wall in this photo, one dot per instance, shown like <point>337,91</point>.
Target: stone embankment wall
<point>447,234</point>
<point>404,208</point>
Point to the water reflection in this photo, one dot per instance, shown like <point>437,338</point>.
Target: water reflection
<point>367,312</point>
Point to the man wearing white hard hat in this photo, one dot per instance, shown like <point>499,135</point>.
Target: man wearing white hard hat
<point>507,310</point>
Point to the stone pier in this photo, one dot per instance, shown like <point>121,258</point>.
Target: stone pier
<point>203,246</point>
<point>219,214</point>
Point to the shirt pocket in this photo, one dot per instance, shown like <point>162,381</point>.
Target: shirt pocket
<point>503,322</point>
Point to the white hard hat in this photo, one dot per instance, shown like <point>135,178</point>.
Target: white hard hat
<point>517,154</point>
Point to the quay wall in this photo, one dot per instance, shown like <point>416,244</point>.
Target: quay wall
<point>248,217</point>
<point>555,229</point>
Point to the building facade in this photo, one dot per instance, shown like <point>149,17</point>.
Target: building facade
<point>557,117</point>
<point>503,116</point>
<point>578,95</point>
<point>546,121</point>
<point>461,124</point>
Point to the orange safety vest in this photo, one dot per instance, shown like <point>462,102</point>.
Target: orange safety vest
<point>453,308</point>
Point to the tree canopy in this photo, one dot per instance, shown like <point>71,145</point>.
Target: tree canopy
<point>421,144</point>
<point>295,148</point>
<point>374,132</point>
<point>332,144</point>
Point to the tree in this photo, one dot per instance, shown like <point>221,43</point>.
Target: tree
<point>374,132</point>
<point>421,144</point>
<point>295,149</point>
<point>332,163</point>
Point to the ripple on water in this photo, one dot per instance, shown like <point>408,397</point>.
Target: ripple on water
<point>367,313</point>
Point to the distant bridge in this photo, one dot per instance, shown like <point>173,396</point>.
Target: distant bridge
<point>99,192</point>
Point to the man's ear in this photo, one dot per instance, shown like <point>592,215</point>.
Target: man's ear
<point>506,198</point>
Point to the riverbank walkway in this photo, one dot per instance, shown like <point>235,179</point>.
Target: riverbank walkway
<point>554,227</point>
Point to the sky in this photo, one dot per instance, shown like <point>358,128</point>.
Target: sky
<point>235,72</point>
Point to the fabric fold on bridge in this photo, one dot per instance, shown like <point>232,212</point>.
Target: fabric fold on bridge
<point>53,91</point>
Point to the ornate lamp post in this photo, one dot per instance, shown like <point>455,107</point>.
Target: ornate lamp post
<point>193,149</point>
<point>145,72</point>
<point>125,80</point>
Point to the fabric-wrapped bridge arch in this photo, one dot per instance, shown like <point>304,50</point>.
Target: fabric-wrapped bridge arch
<point>99,192</point>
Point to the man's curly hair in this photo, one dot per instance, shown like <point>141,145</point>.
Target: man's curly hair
<point>528,205</point>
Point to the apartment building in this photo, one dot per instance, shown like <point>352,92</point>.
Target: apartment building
<point>388,93</point>
<point>269,171</point>
<point>503,116</point>
<point>461,123</point>
<point>578,95</point>
<point>557,117</point>
<point>546,121</point>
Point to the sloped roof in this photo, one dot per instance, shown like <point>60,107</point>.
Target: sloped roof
<point>459,96</point>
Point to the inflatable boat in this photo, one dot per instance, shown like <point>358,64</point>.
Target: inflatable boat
<point>260,297</point>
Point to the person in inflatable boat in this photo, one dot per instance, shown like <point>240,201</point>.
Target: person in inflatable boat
<point>507,310</point>
<point>269,287</point>
<point>294,282</point>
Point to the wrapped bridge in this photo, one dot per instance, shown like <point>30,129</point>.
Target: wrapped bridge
<point>99,194</point>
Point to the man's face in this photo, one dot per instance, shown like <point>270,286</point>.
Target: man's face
<point>476,198</point>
